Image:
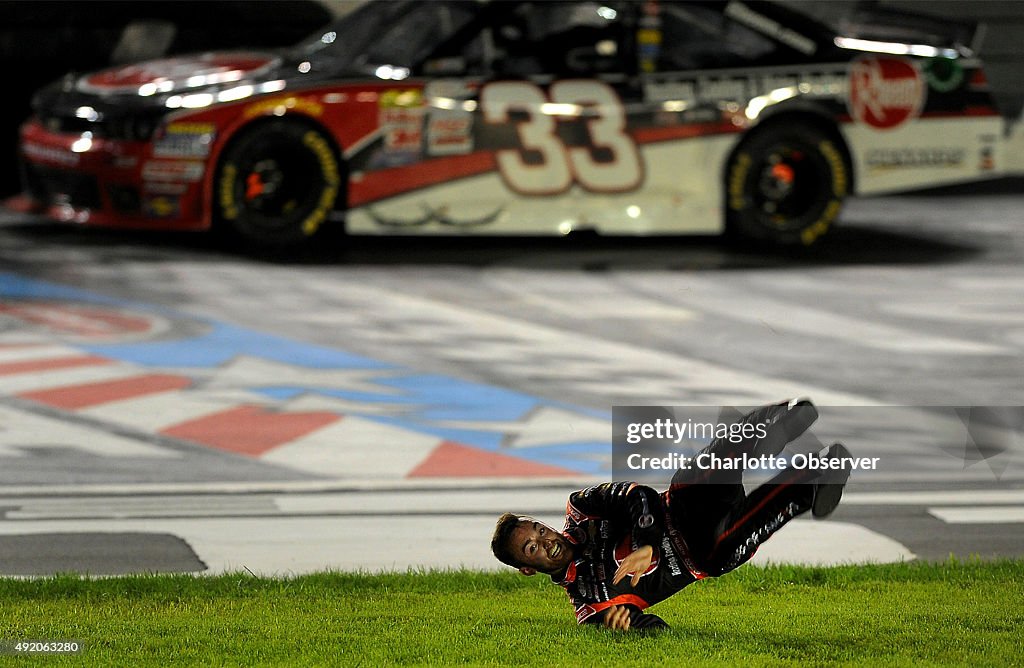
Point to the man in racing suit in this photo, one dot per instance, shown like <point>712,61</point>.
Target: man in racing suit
<point>626,547</point>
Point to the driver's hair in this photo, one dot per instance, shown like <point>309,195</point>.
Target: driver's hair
<point>506,524</point>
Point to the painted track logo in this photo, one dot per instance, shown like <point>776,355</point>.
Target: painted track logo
<point>885,92</point>
<point>87,323</point>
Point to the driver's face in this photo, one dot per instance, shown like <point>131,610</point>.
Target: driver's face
<point>540,547</point>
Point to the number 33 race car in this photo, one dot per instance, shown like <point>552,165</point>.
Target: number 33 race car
<point>516,117</point>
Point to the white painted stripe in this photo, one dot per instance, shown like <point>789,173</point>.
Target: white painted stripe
<point>967,497</point>
<point>284,546</point>
<point>21,337</point>
<point>58,378</point>
<point>313,498</point>
<point>24,432</point>
<point>709,296</point>
<point>508,485</point>
<point>158,411</point>
<point>612,360</point>
<point>141,506</point>
<point>979,514</point>
<point>603,307</point>
<point>827,543</point>
<point>40,352</point>
<point>549,502</point>
<point>356,447</point>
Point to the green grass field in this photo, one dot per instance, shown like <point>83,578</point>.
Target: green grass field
<point>908,614</point>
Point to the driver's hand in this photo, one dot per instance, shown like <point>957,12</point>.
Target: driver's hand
<point>617,618</point>
<point>636,563</point>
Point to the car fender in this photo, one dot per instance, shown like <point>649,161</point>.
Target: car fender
<point>294,108</point>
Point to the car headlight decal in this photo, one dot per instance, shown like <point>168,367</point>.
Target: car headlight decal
<point>184,140</point>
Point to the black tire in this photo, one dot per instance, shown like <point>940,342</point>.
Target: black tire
<point>277,183</point>
<point>785,185</point>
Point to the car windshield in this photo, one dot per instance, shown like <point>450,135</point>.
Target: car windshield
<point>387,32</point>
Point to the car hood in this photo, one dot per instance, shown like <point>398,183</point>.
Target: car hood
<point>157,87</point>
<point>179,74</point>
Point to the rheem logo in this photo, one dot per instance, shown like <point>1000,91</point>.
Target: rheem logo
<point>885,92</point>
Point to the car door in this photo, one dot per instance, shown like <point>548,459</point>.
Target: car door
<point>522,123</point>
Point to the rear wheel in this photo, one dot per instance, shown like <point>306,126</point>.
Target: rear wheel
<point>277,183</point>
<point>785,185</point>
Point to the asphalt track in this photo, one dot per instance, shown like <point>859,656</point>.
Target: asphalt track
<point>169,405</point>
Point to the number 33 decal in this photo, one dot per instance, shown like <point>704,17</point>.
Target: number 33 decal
<point>560,166</point>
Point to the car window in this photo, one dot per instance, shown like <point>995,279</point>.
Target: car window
<point>418,33</point>
<point>697,37</point>
<point>561,38</point>
<point>384,33</point>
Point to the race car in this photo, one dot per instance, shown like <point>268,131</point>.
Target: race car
<point>517,117</point>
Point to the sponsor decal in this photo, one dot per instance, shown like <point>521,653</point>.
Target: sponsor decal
<point>919,157</point>
<point>712,89</point>
<point>279,106</point>
<point>162,206</point>
<point>747,549</point>
<point>332,181</point>
<point>649,37</point>
<point>737,181</point>
<point>584,612</point>
<point>987,160</point>
<point>450,124</point>
<point>185,140</point>
<point>401,120</point>
<point>187,171</point>
<point>449,134</point>
<point>944,74</point>
<point>226,191</point>
<point>50,154</point>
<point>670,556</point>
<point>165,188</point>
<point>885,92</point>
<point>627,546</point>
<point>89,323</point>
<point>439,214</point>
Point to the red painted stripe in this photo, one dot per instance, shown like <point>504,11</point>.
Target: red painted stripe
<point>383,183</point>
<point>75,319</point>
<point>11,368</point>
<point>689,131</point>
<point>968,112</point>
<point>457,460</point>
<point>249,430</point>
<point>93,394</point>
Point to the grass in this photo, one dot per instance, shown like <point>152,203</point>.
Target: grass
<point>954,613</point>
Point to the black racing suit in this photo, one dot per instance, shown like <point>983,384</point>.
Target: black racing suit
<point>606,523</point>
<point>704,525</point>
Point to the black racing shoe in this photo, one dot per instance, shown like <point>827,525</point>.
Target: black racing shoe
<point>785,422</point>
<point>829,491</point>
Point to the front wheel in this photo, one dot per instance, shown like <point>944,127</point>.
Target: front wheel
<point>276,184</point>
<point>785,185</point>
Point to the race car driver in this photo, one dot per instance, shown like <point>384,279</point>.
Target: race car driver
<point>626,547</point>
